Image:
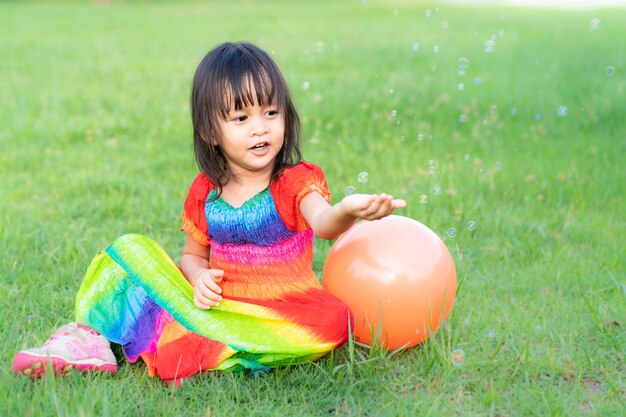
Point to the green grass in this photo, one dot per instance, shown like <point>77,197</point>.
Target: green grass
<point>95,142</point>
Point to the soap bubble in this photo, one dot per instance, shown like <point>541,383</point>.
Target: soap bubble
<point>416,46</point>
<point>513,111</point>
<point>493,109</point>
<point>476,80</point>
<point>458,357</point>
<point>462,118</point>
<point>595,23</point>
<point>491,334</point>
<point>431,170</point>
<point>471,225</point>
<point>498,165</point>
<point>428,12</point>
<point>362,177</point>
<point>538,117</point>
<point>320,46</point>
<point>462,63</point>
<point>423,199</point>
<point>394,113</point>
<point>461,73</point>
<point>460,86</point>
<point>436,48</point>
<point>466,157</point>
<point>490,46</point>
<point>306,85</point>
<point>436,190</point>
<point>420,137</point>
<point>452,232</point>
<point>349,190</point>
<point>610,71</point>
<point>562,111</point>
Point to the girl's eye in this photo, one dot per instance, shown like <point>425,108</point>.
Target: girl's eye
<point>240,118</point>
<point>272,113</point>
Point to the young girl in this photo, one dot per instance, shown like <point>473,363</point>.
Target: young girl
<point>245,295</point>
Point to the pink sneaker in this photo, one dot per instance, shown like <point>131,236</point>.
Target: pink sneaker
<point>71,347</point>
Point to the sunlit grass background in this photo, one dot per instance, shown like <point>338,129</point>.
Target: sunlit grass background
<point>95,142</point>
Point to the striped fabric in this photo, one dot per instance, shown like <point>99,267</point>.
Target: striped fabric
<point>274,312</point>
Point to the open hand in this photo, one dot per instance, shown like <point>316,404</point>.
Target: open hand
<point>370,206</point>
<point>206,290</point>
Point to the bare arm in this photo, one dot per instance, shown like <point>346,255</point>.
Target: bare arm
<point>194,263</point>
<point>328,222</point>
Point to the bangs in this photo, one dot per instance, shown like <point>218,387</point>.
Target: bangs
<point>243,87</point>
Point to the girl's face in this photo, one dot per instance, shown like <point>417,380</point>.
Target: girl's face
<point>251,138</point>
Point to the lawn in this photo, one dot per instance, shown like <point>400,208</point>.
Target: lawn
<point>507,125</point>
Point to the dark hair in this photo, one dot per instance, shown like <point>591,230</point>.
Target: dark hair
<point>227,77</point>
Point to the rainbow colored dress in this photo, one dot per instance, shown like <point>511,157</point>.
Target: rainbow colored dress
<point>274,312</point>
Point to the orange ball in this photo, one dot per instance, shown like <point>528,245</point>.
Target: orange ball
<point>396,276</point>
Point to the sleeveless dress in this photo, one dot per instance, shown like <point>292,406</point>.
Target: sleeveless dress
<point>274,312</point>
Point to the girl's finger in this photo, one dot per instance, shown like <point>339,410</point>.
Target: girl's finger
<point>209,282</point>
<point>206,294</point>
<point>208,300</point>
<point>218,275</point>
<point>374,206</point>
<point>200,304</point>
<point>385,206</point>
<point>390,204</point>
<point>398,203</point>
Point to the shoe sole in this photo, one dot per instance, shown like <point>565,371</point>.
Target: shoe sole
<point>36,366</point>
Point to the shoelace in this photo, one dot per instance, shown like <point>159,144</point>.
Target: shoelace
<point>85,341</point>
<point>55,337</point>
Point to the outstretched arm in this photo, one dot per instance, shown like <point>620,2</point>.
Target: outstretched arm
<point>328,222</point>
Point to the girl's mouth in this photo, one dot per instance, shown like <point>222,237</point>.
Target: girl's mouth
<point>260,148</point>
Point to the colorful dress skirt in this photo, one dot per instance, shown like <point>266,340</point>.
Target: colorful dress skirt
<point>273,313</point>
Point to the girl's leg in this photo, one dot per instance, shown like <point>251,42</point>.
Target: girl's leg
<point>133,294</point>
<point>124,296</point>
<point>111,306</point>
<point>106,296</point>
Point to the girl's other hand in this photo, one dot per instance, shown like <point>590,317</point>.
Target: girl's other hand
<point>371,206</point>
<point>206,290</point>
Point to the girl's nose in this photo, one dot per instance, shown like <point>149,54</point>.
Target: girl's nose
<point>259,127</point>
